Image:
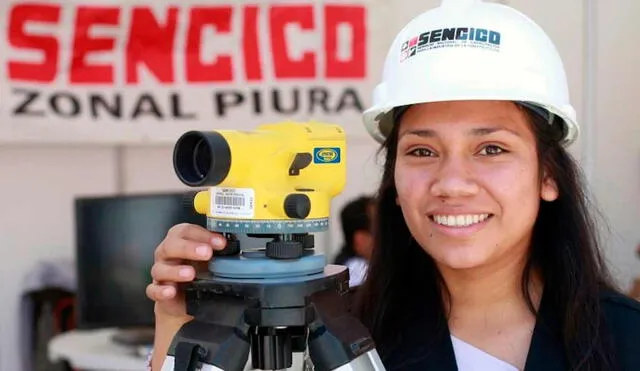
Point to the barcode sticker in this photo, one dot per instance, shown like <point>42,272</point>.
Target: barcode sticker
<point>232,202</point>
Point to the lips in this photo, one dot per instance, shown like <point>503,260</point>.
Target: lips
<point>459,220</point>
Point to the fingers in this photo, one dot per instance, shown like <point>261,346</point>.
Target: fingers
<point>195,232</point>
<point>183,249</point>
<point>186,248</point>
<point>172,273</point>
<point>158,292</point>
<point>189,242</point>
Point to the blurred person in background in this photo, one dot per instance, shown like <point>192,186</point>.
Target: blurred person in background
<point>355,219</point>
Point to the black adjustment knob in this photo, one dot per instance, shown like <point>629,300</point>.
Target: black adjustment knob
<point>307,240</point>
<point>188,199</point>
<point>297,206</point>
<point>284,249</point>
<point>231,248</point>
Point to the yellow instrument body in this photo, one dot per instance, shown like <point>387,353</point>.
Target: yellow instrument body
<point>273,162</point>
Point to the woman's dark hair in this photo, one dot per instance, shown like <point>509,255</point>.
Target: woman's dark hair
<point>403,284</point>
<point>354,217</point>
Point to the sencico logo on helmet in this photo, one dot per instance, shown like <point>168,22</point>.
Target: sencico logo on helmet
<point>459,37</point>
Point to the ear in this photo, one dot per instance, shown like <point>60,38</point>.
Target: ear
<point>549,189</point>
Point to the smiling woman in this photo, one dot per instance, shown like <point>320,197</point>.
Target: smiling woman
<point>486,248</point>
<point>467,180</point>
<point>486,253</point>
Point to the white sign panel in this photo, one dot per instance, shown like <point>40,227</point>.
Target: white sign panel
<point>131,72</point>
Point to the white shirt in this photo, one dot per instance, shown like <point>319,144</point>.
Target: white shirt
<point>357,270</point>
<point>470,358</point>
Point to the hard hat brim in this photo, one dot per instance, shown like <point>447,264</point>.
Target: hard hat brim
<point>379,120</point>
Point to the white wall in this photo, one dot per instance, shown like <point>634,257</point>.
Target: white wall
<point>615,139</point>
<point>38,185</point>
<point>36,201</point>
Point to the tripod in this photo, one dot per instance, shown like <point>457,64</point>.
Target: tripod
<point>271,318</point>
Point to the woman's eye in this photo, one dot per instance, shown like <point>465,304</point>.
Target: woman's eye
<point>421,152</point>
<point>491,150</point>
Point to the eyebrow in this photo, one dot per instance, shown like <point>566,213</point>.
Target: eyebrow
<point>429,133</point>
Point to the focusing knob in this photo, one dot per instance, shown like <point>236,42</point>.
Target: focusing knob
<point>188,200</point>
<point>284,249</point>
<point>297,205</point>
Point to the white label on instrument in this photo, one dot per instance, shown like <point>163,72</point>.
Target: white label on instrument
<point>232,202</point>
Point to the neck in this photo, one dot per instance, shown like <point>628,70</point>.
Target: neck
<point>489,288</point>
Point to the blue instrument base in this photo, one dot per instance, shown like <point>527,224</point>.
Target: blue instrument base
<point>255,265</point>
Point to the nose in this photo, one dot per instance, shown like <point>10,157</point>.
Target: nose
<point>454,179</point>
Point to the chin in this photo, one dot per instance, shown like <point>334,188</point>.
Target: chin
<point>461,264</point>
<point>460,257</point>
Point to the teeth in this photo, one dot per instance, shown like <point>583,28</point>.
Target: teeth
<point>459,220</point>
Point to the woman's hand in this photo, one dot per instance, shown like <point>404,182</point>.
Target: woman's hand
<point>186,249</point>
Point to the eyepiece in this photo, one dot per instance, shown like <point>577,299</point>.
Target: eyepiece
<point>201,158</point>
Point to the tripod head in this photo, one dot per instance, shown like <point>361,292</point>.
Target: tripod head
<point>270,300</point>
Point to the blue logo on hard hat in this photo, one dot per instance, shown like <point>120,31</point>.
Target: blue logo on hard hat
<point>326,155</point>
<point>451,37</point>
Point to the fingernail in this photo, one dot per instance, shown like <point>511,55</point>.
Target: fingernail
<point>167,292</point>
<point>217,241</point>
<point>203,251</point>
<point>184,272</point>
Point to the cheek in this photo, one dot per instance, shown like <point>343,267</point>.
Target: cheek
<point>516,185</point>
<point>410,184</point>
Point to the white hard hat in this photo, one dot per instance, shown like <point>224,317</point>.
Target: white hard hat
<point>472,50</point>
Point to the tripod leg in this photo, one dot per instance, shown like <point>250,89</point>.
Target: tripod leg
<point>211,343</point>
<point>337,340</point>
